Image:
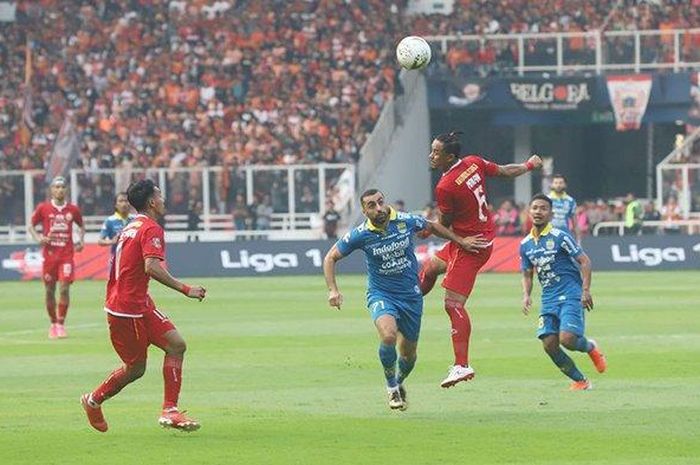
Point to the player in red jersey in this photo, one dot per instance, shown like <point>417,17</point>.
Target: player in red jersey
<point>56,218</point>
<point>462,203</point>
<point>134,322</point>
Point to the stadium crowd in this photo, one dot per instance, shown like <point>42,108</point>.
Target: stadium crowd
<point>479,17</point>
<point>512,219</point>
<point>170,84</point>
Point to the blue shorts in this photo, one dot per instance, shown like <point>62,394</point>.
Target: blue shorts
<point>566,315</point>
<point>407,312</point>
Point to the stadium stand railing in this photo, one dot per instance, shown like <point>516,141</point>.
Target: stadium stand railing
<point>678,177</point>
<point>590,51</point>
<point>225,200</point>
<point>618,227</point>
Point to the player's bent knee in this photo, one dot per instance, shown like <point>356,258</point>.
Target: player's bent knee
<point>550,344</point>
<point>409,354</point>
<point>389,339</point>
<point>177,347</point>
<point>568,340</point>
<point>136,371</point>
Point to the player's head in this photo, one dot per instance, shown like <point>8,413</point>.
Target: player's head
<point>146,197</point>
<point>58,188</point>
<point>540,210</point>
<point>445,149</point>
<point>374,207</point>
<point>558,183</point>
<point>121,204</point>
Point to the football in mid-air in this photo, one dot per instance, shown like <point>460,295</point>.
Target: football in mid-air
<point>413,52</point>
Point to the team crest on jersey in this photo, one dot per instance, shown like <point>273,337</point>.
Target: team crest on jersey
<point>69,216</point>
<point>156,242</point>
<point>402,227</point>
<point>549,244</point>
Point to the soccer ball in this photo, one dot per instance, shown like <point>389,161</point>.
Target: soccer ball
<point>413,52</point>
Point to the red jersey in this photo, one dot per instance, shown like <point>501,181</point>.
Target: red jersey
<point>461,193</point>
<point>57,223</point>
<point>127,288</point>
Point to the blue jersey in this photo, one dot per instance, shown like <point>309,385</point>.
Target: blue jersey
<point>553,255</point>
<point>563,210</point>
<point>392,268</point>
<point>112,226</point>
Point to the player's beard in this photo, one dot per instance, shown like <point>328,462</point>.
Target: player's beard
<point>380,218</point>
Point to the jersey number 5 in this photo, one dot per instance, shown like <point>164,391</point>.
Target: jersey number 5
<point>480,196</point>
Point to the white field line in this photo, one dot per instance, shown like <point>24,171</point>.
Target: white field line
<point>44,330</point>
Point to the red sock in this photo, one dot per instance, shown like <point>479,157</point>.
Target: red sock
<point>461,330</point>
<point>62,312</point>
<point>172,375</point>
<point>114,383</point>
<point>51,310</point>
<point>427,276</point>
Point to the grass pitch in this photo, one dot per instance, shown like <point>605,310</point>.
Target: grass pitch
<point>276,377</point>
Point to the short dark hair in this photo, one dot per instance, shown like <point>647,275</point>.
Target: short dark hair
<point>450,142</point>
<point>541,197</point>
<point>140,192</point>
<point>119,194</point>
<point>367,193</point>
<point>560,176</point>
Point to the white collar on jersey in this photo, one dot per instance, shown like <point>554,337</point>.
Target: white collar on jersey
<point>452,167</point>
<point>58,207</point>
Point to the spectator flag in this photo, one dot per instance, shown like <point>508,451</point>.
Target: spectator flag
<point>629,96</point>
<point>27,124</point>
<point>65,151</point>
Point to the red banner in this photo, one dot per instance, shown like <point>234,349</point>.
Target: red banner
<point>91,263</point>
<point>504,258</point>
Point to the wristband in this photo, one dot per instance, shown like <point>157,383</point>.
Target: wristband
<point>186,289</point>
<point>529,165</point>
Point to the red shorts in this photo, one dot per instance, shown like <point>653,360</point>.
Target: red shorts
<point>58,269</point>
<point>462,267</point>
<point>132,336</point>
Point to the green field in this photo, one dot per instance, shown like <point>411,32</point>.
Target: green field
<point>276,377</point>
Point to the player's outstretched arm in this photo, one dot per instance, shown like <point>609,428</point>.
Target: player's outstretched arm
<point>155,270</point>
<point>514,170</point>
<point>586,275</point>
<point>469,243</point>
<point>527,290</point>
<point>335,298</point>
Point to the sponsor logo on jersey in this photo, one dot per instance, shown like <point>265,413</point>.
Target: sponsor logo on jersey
<point>465,174</point>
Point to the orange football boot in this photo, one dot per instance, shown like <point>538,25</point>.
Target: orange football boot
<point>94,414</point>
<point>597,358</point>
<point>583,385</point>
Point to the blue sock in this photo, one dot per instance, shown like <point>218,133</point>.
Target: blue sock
<point>566,365</point>
<point>405,368</point>
<point>387,355</point>
<point>583,345</point>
